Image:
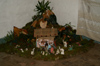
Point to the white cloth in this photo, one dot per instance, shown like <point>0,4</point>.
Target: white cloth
<point>89,19</point>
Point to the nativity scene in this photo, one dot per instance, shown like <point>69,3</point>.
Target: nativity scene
<point>43,38</point>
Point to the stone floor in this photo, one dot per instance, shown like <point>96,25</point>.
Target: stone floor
<point>91,58</point>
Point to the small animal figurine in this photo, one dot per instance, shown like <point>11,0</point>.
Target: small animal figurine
<point>43,53</point>
<point>33,49</point>
<point>65,43</point>
<point>32,52</point>
<point>17,46</point>
<point>57,52</point>
<point>26,49</point>
<point>22,50</point>
<point>70,48</point>
<point>62,51</point>
<point>59,47</point>
<point>52,27</point>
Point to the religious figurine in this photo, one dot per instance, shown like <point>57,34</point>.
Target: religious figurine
<point>57,52</point>
<point>43,53</point>
<point>22,50</point>
<point>52,50</point>
<point>26,49</point>
<point>32,52</point>
<point>59,47</point>
<point>62,51</point>
<point>52,27</point>
<point>46,47</point>
<point>49,46</point>
<point>49,51</point>
<point>65,43</point>
<point>17,46</point>
<point>70,48</point>
<point>37,43</point>
<point>42,44</point>
<point>33,49</point>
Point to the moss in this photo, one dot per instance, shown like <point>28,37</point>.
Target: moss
<point>38,56</point>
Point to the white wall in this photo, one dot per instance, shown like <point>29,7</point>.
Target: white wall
<point>19,12</point>
<point>66,11</point>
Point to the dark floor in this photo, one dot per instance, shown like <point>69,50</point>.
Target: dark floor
<point>91,58</point>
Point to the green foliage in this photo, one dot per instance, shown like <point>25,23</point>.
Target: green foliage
<point>42,6</point>
<point>59,41</point>
<point>7,48</point>
<point>69,25</point>
<point>9,37</point>
<point>29,28</point>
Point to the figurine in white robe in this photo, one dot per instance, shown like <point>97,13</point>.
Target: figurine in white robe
<point>37,43</point>
<point>22,50</point>
<point>57,52</point>
<point>43,53</point>
<point>65,43</point>
<point>26,49</point>
<point>62,51</point>
<point>32,52</point>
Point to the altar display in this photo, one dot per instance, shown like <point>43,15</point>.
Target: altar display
<point>44,39</point>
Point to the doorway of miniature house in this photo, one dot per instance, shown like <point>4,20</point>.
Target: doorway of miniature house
<point>42,41</point>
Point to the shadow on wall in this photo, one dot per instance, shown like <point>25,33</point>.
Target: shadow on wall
<point>90,39</point>
<point>2,41</point>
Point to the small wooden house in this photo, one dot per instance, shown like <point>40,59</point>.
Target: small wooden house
<point>45,34</point>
